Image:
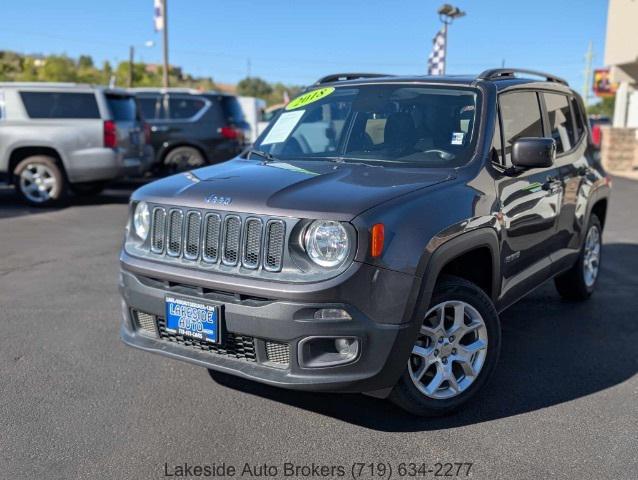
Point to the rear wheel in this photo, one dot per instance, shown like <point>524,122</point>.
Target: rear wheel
<point>183,158</point>
<point>579,282</point>
<point>39,181</point>
<point>455,351</point>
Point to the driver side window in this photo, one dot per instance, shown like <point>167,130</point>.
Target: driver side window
<point>520,117</point>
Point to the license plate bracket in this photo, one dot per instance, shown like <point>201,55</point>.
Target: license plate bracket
<point>193,318</point>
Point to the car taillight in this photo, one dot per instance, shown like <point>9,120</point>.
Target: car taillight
<point>147,134</point>
<point>596,135</point>
<point>230,133</point>
<point>110,134</point>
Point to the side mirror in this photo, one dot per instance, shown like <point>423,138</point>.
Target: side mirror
<point>534,152</point>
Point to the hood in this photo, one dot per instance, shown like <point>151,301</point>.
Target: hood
<point>304,189</point>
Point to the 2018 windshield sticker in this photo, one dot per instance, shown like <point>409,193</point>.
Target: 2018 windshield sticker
<point>309,97</point>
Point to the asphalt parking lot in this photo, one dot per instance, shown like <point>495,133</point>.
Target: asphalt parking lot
<point>76,403</point>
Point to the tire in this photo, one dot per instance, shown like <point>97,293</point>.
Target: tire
<point>579,282</point>
<point>39,181</point>
<point>88,188</point>
<point>181,159</point>
<point>442,355</point>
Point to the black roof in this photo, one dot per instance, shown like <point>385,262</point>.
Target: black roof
<point>502,78</point>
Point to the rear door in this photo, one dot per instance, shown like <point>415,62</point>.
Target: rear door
<point>530,200</point>
<point>152,107</point>
<point>567,128</point>
<point>130,134</point>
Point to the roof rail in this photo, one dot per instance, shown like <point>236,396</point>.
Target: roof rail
<point>340,77</point>
<point>504,73</point>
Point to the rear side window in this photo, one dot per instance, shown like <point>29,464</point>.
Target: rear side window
<point>232,109</point>
<point>123,108</point>
<point>578,114</point>
<point>60,105</point>
<point>521,117</point>
<point>151,107</point>
<point>560,121</point>
<point>182,108</point>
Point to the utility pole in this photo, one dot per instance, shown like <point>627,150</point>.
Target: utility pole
<point>165,44</point>
<point>589,59</point>
<point>131,54</point>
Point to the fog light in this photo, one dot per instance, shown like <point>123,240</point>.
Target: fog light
<point>332,314</point>
<point>317,352</point>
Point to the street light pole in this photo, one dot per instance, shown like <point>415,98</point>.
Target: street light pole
<point>131,54</point>
<point>447,14</point>
<point>165,44</point>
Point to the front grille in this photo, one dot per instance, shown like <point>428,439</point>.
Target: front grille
<point>235,346</point>
<point>214,238</point>
<point>278,353</point>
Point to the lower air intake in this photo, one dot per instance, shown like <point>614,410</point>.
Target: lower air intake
<point>278,353</point>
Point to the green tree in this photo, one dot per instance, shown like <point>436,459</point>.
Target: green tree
<point>58,68</point>
<point>254,87</point>
<point>85,61</point>
<point>604,107</point>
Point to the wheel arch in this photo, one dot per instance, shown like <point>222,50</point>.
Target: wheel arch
<point>20,153</point>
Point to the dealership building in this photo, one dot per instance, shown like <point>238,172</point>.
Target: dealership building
<point>621,56</point>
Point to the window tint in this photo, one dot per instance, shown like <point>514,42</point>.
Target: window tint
<point>181,108</point>
<point>232,109</point>
<point>60,105</point>
<point>521,117</point>
<point>151,107</point>
<point>580,126</point>
<point>122,108</point>
<point>560,121</point>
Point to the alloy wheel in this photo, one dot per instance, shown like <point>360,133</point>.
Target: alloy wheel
<point>38,183</point>
<point>450,350</point>
<point>591,256</point>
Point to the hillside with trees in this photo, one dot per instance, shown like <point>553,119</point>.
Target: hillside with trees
<point>16,67</point>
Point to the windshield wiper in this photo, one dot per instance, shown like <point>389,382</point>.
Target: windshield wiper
<point>260,153</point>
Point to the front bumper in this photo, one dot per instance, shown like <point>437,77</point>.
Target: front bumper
<point>287,318</point>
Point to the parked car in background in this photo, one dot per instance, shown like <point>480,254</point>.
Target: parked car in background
<point>59,135</point>
<point>253,109</point>
<point>190,129</point>
<point>596,122</point>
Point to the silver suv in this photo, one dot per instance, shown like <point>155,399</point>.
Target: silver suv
<point>55,135</point>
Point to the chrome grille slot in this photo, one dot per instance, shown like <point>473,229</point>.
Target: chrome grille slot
<point>175,224</point>
<point>193,234</point>
<point>211,237</point>
<point>252,243</point>
<point>232,237</point>
<point>275,238</point>
<point>158,231</point>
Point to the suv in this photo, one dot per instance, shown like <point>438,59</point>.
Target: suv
<point>190,129</point>
<point>58,135</point>
<point>370,239</point>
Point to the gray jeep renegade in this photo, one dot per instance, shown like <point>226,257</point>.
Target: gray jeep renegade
<point>369,240</point>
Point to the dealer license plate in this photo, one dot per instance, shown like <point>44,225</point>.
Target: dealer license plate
<point>192,318</point>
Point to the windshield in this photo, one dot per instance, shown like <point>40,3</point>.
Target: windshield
<point>384,124</point>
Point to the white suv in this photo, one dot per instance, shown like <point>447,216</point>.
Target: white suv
<point>54,136</point>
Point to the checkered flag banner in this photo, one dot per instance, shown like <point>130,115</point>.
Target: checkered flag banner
<point>436,60</point>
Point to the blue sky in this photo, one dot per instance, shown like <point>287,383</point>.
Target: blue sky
<point>299,41</point>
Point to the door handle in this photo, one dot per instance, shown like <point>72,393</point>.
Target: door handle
<point>158,128</point>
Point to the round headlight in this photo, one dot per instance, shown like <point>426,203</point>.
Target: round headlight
<point>141,220</point>
<point>327,243</point>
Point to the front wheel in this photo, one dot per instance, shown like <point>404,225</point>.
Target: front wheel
<point>455,351</point>
<point>578,282</point>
